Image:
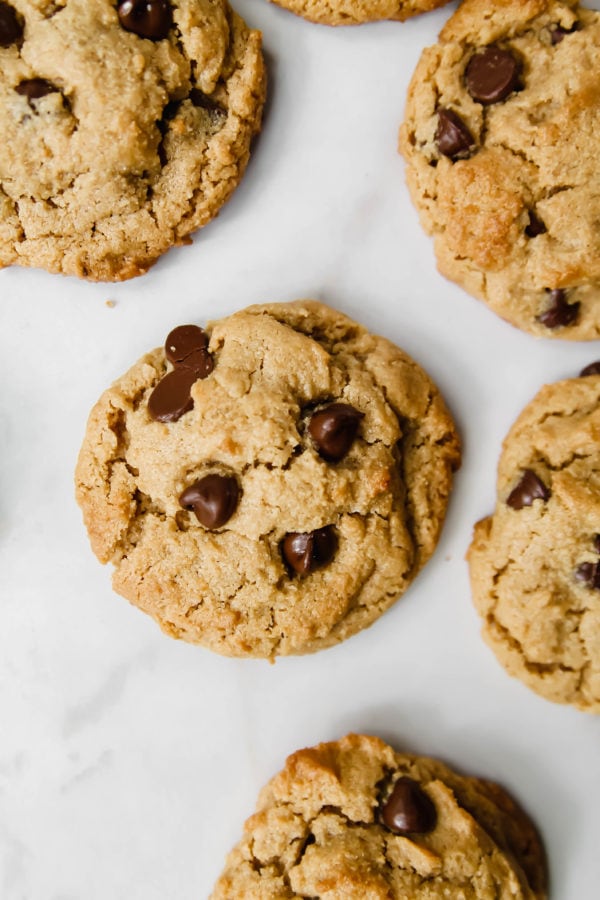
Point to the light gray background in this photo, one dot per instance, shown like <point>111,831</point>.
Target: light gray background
<point>128,762</point>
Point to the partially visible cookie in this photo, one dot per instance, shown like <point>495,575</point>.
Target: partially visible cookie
<point>270,485</point>
<point>535,563</point>
<point>355,12</point>
<point>500,140</point>
<point>353,819</point>
<point>125,126</point>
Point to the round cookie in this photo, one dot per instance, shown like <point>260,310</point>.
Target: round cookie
<point>355,12</point>
<point>535,563</point>
<point>353,819</point>
<point>269,486</point>
<point>126,126</point>
<point>500,143</point>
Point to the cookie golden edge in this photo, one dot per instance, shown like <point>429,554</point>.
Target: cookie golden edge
<point>357,12</point>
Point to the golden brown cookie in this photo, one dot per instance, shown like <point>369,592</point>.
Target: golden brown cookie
<point>125,126</point>
<point>270,485</point>
<point>355,12</point>
<point>500,143</point>
<point>353,819</point>
<point>535,563</point>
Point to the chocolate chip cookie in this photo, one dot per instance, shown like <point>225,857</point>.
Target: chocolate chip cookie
<point>353,819</point>
<point>535,563</point>
<point>125,126</point>
<point>354,12</point>
<point>500,144</point>
<point>268,485</point>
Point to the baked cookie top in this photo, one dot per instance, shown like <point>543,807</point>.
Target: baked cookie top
<point>125,125</point>
<point>269,486</point>
<point>353,819</point>
<point>355,12</point>
<point>500,143</point>
<point>535,563</point>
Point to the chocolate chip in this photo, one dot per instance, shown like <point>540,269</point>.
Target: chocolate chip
<point>535,227</point>
<point>408,809</point>
<point>202,100</point>
<point>592,369</point>
<point>333,430</point>
<point>492,75</point>
<point>213,499</point>
<point>559,313</point>
<point>11,26</point>
<point>147,18</point>
<point>452,136</point>
<point>588,573</point>
<point>200,361</point>
<point>558,33</point>
<point>306,552</point>
<point>529,488</point>
<point>34,88</point>
<point>184,340</point>
<point>171,397</point>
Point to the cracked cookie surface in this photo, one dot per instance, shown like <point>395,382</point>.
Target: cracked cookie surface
<point>533,563</point>
<point>499,140</point>
<point>116,146</point>
<point>355,12</point>
<point>320,831</point>
<point>342,453</point>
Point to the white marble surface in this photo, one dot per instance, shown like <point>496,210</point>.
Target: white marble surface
<point>128,762</point>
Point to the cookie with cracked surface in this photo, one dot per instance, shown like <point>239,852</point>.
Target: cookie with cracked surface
<point>270,485</point>
<point>499,140</point>
<point>126,126</point>
<point>535,563</point>
<point>353,819</point>
<point>355,12</point>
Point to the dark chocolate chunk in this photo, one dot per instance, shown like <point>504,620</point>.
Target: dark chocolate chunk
<point>559,313</point>
<point>529,488</point>
<point>535,227</point>
<point>184,340</point>
<point>492,75</point>
<point>589,574</point>
<point>306,552</point>
<point>34,88</point>
<point>408,809</point>
<point>333,430</point>
<point>147,18</point>
<point>171,397</point>
<point>558,33</point>
<point>213,499</point>
<point>592,369</point>
<point>452,136</point>
<point>11,26</point>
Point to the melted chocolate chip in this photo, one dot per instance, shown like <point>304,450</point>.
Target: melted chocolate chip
<point>408,809</point>
<point>588,573</point>
<point>558,33</point>
<point>147,18</point>
<point>333,430</point>
<point>559,313</point>
<point>529,488</point>
<point>452,136</point>
<point>200,361</point>
<point>213,499</point>
<point>492,75</point>
<point>11,27</point>
<point>34,88</point>
<point>592,369</point>
<point>171,397</point>
<point>535,227</point>
<point>183,341</point>
<point>306,552</point>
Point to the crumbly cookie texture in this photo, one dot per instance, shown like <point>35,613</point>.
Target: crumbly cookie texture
<point>116,145</point>
<point>535,563</point>
<point>500,143</point>
<point>353,819</point>
<point>355,12</point>
<point>330,455</point>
